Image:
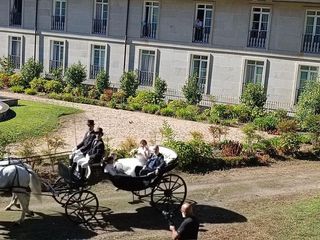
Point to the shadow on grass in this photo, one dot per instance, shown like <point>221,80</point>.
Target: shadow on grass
<point>10,115</point>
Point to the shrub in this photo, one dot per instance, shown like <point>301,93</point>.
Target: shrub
<point>177,104</point>
<point>6,66</point>
<point>309,102</point>
<point>75,74</point>
<point>30,91</point>
<point>151,108</point>
<point>189,113</point>
<point>264,146</point>
<point>288,143</point>
<point>167,111</point>
<point>93,93</point>
<point>53,86</point>
<point>160,88</point>
<point>253,96</point>
<point>220,112</point>
<point>4,80</point>
<point>242,112</point>
<point>57,74</point>
<point>312,124</point>
<point>107,96</point>
<point>251,137</point>
<point>231,148</point>
<point>16,80</point>
<point>38,84</point>
<point>1,85</point>
<point>280,113</point>
<point>119,96</point>
<point>135,106</point>
<point>217,132</point>
<point>192,91</point>
<point>142,98</point>
<point>102,82</point>
<point>287,125</point>
<point>78,91</point>
<point>267,123</point>
<point>129,83</point>
<point>17,89</point>
<point>31,70</point>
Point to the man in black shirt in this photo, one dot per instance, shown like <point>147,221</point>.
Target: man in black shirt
<point>189,227</point>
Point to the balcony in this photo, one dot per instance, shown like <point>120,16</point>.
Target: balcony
<point>57,23</point>
<point>99,26</point>
<point>311,43</point>
<point>55,64</point>
<point>257,39</point>
<point>94,71</point>
<point>201,34</point>
<point>15,18</point>
<point>15,60</point>
<point>149,30</point>
<point>145,78</point>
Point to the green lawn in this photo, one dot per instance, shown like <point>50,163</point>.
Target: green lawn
<point>33,119</point>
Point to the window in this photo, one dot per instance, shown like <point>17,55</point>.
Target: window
<point>254,72</point>
<point>259,27</point>
<point>146,67</point>
<point>16,13</point>
<point>99,24</point>
<point>199,65</point>
<point>150,20</point>
<point>57,55</point>
<point>59,15</point>
<point>98,55</point>
<point>15,51</point>
<point>203,22</point>
<point>306,73</point>
<point>311,39</point>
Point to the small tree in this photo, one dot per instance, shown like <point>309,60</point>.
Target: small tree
<point>57,74</point>
<point>129,83</point>
<point>75,74</point>
<point>30,70</point>
<point>102,82</point>
<point>254,96</point>
<point>160,87</point>
<point>191,90</point>
<point>6,66</point>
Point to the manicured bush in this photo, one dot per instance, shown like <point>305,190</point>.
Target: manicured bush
<point>143,97</point>
<point>31,70</point>
<point>135,106</point>
<point>30,91</point>
<point>151,108</point>
<point>167,111</point>
<point>287,125</point>
<point>188,113</point>
<point>160,88</point>
<point>119,96</point>
<point>17,89</point>
<point>287,143</point>
<point>254,96</point>
<point>191,90</point>
<point>75,74</point>
<point>129,83</point>
<point>78,91</point>
<point>38,84</point>
<point>221,112</point>
<point>102,82</point>
<point>57,74</point>
<point>267,123</point>
<point>16,80</point>
<point>93,93</point>
<point>177,104</point>
<point>242,112</point>
<point>53,86</point>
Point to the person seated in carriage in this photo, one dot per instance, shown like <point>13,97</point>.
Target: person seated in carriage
<point>94,155</point>
<point>84,146</point>
<point>154,163</point>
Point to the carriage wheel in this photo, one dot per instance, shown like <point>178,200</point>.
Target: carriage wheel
<point>169,194</point>
<point>62,191</point>
<point>82,206</point>
<point>143,193</point>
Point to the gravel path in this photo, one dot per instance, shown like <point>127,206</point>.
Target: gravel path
<point>119,124</point>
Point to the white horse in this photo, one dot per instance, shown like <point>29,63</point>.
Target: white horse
<point>18,178</point>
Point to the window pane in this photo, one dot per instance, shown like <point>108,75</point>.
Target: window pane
<point>310,20</point>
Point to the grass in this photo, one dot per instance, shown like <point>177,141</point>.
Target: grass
<point>33,119</point>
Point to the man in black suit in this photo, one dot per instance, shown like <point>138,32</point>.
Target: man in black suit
<point>94,155</point>
<point>84,146</point>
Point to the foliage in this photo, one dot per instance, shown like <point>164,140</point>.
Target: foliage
<point>119,96</point>
<point>309,102</point>
<point>167,111</point>
<point>288,143</point>
<point>242,112</point>
<point>264,146</point>
<point>251,137</point>
<point>167,133</point>
<point>220,112</point>
<point>188,113</point>
<point>102,82</point>
<point>78,91</point>
<point>30,91</point>
<point>6,66</point>
<point>160,88</point>
<point>254,96</point>
<point>38,84</point>
<point>280,113</point>
<point>312,124</point>
<point>57,74</point>
<point>287,125</point>
<point>16,80</point>
<point>217,132</point>
<point>129,83</point>
<point>93,93</point>
<point>4,80</point>
<point>192,91</point>
<point>266,123</point>
<point>177,104</point>
<point>53,86</point>
<point>53,144</point>
<point>75,74</point>
<point>143,97</point>
<point>127,145</point>
<point>30,70</point>
<point>231,148</point>
<point>151,108</point>
<point>27,150</point>
<point>17,89</point>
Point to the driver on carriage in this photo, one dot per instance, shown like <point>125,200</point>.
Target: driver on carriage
<point>94,155</point>
<point>83,148</point>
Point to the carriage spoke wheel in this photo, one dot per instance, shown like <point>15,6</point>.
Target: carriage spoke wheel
<point>169,194</point>
<point>143,193</point>
<point>62,191</point>
<point>82,206</point>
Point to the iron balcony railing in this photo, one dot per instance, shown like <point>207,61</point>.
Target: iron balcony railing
<point>201,34</point>
<point>257,39</point>
<point>99,26</point>
<point>57,23</point>
<point>311,43</point>
<point>145,78</point>
<point>149,30</point>
<point>94,71</point>
<point>55,64</point>
<point>15,18</point>
<point>15,60</point>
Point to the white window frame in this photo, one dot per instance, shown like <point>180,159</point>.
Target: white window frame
<point>21,47</point>
<point>91,58</point>
<point>54,8</point>
<point>63,52</point>
<point>305,21</point>
<point>22,11</point>
<point>154,63</point>
<point>298,82</point>
<point>95,9</point>
<point>192,55</point>
<point>145,8</point>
